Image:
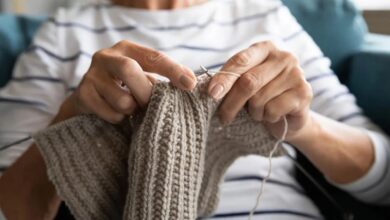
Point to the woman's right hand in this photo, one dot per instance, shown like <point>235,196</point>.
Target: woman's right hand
<point>119,81</point>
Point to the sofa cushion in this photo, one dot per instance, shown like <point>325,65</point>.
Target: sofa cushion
<point>370,77</point>
<point>16,33</point>
<point>335,25</point>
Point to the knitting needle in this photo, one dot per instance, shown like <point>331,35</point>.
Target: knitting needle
<point>204,70</point>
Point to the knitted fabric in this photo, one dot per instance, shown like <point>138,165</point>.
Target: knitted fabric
<point>165,164</point>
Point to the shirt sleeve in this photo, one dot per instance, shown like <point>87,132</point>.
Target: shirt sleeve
<point>334,100</point>
<point>33,95</point>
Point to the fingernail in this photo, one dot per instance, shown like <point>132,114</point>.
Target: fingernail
<point>187,81</point>
<point>216,92</point>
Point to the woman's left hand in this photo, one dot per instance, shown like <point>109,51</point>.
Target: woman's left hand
<point>271,82</point>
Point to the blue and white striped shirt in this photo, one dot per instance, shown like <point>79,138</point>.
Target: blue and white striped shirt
<point>206,34</point>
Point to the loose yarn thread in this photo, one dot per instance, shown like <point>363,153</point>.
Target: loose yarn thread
<point>266,178</point>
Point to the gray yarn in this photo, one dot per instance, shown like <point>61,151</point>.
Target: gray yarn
<point>164,164</point>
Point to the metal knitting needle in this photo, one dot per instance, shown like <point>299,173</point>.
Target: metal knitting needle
<point>204,70</point>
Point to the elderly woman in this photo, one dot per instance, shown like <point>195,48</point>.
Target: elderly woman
<point>80,59</point>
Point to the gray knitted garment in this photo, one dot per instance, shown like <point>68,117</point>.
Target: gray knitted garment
<point>164,164</point>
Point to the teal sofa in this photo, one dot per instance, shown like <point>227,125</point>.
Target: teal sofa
<point>360,59</point>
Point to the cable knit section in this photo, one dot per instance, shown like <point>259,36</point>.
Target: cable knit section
<point>167,163</point>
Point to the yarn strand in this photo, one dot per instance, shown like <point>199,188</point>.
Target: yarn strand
<point>278,142</point>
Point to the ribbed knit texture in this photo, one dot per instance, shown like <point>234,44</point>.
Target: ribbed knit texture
<point>165,164</point>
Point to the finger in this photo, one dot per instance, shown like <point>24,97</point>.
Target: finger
<point>132,75</point>
<point>278,107</point>
<point>154,61</point>
<point>240,63</point>
<point>268,75</point>
<point>96,105</point>
<point>276,87</point>
<point>118,98</point>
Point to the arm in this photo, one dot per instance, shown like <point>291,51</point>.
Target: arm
<point>341,152</point>
<point>275,83</point>
<point>25,190</point>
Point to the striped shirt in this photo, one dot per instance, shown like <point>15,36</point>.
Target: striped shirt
<point>206,34</point>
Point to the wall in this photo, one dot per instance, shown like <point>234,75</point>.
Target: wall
<point>378,21</point>
<point>377,14</point>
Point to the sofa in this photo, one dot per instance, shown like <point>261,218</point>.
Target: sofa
<point>360,59</point>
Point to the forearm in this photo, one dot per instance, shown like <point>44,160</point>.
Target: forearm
<point>341,152</point>
<point>25,189</point>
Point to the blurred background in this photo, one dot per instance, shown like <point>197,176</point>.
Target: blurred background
<point>37,7</point>
<point>376,12</point>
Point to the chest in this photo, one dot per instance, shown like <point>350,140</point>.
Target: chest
<point>192,45</point>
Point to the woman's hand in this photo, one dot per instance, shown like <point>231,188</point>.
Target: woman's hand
<point>271,83</point>
<point>101,93</point>
<point>119,81</point>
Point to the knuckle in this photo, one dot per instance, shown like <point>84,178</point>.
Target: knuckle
<point>268,44</point>
<point>100,55</point>
<point>297,74</point>
<point>284,55</point>
<point>263,45</point>
<point>248,83</point>
<point>122,44</point>
<point>242,58</point>
<point>126,63</point>
<point>258,44</point>
<point>305,91</point>
<point>289,58</point>
<point>255,103</point>
<point>126,66</point>
<point>271,113</point>
<point>260,79</point>
<point>154,57</point>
